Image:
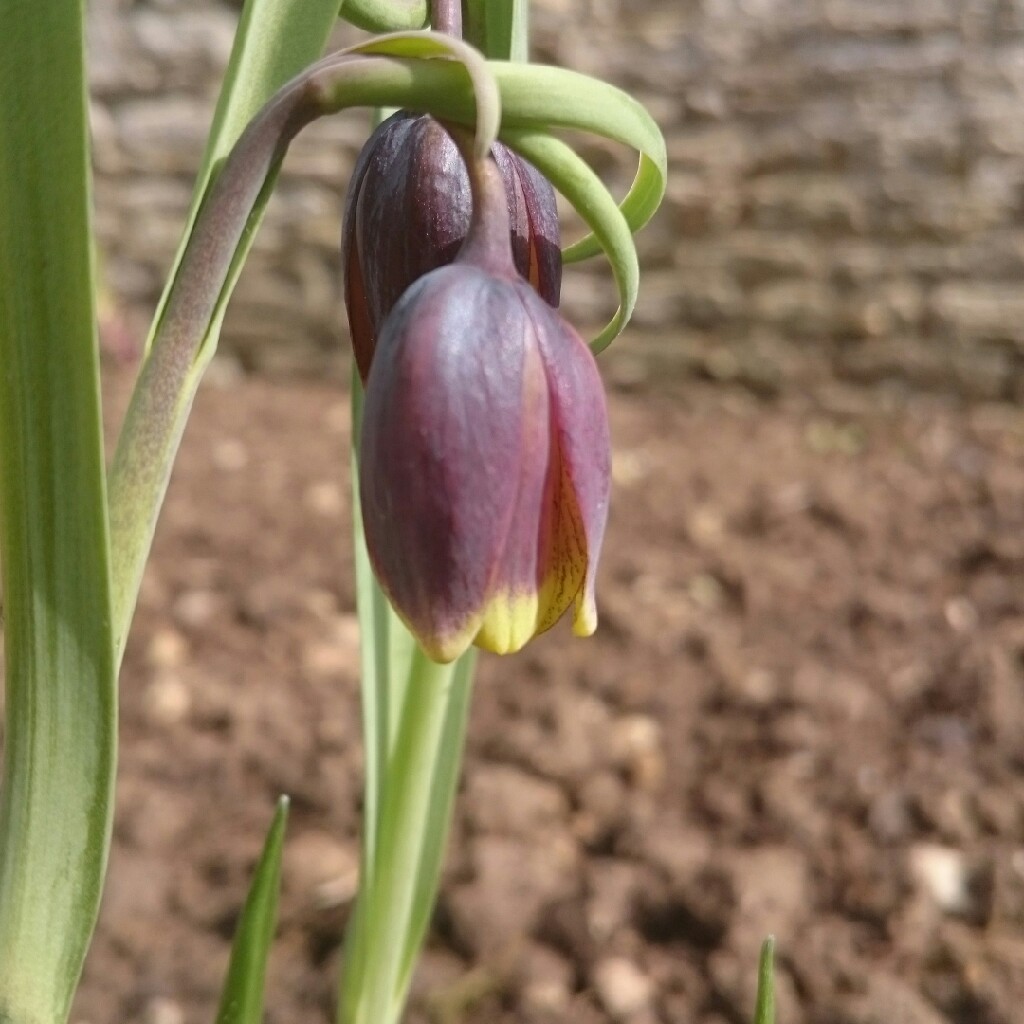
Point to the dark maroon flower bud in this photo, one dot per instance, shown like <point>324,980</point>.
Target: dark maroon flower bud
<point>408,210</point>
<point>485,456</point>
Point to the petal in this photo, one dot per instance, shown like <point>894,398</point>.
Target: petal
<point>360,323</point>
<point>514,604</point>
<point>545,257</point>
<point>413,209</point>
<point>581,470</point>
<point>550,551</point>
<point>533,218</point>
<point>441,451</point>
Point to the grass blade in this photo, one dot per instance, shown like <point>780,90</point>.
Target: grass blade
<point>61,735</point>
<point>242,999</point>
<point>764,1009</point>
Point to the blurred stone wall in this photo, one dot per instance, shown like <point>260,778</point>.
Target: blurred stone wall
<point>846,193</point>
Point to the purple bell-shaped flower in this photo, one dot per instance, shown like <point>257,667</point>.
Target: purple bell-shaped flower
<point>485,453</point>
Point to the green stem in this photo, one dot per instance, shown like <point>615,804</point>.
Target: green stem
<point>404,815</point>
<point>500,29</point>
<point>394,897</point>
<point>446,780</point>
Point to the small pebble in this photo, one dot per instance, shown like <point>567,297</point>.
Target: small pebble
<point>163,1011</point>
<point>167,700</point>
<point>961,615</point>
<point>196,607</point>
<point>706,526</point>
<point>623,989</point>
<point>547,985</point>
<point>323,604</point>
<point>942,872</point>
<point>324,498</point>
<point>323,869</point>
<point>224,371</point>
<point>168,648</point>
<point>327,659</point>
<point>637,746</point>
<point>337,419</point>
<point>630,467</point>
<point>230,455</point>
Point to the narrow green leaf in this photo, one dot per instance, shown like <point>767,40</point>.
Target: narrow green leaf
<point>241,1002</point>
<point>519,31</point>
<point>386,653</point>
<point>275,40</point>
<point>61,711</point>
<point>537,96</point>
<point>376,662</point>
<point>764,1010</point>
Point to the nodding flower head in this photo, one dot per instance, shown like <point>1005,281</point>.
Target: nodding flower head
<point>484,456</point>
<point>408,211</point>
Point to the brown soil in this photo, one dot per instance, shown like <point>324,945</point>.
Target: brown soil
<point>803,714</point>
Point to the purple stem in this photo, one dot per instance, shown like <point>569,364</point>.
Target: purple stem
<point>488,243</point>
<point>446,16</point>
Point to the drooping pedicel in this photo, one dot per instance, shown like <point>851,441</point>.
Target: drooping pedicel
<point>485,454</point>
<point>407,212</point>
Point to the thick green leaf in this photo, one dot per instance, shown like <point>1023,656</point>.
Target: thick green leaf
<point>764,1009</point>
<point>241,1001</point>
<point>59,758</point>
